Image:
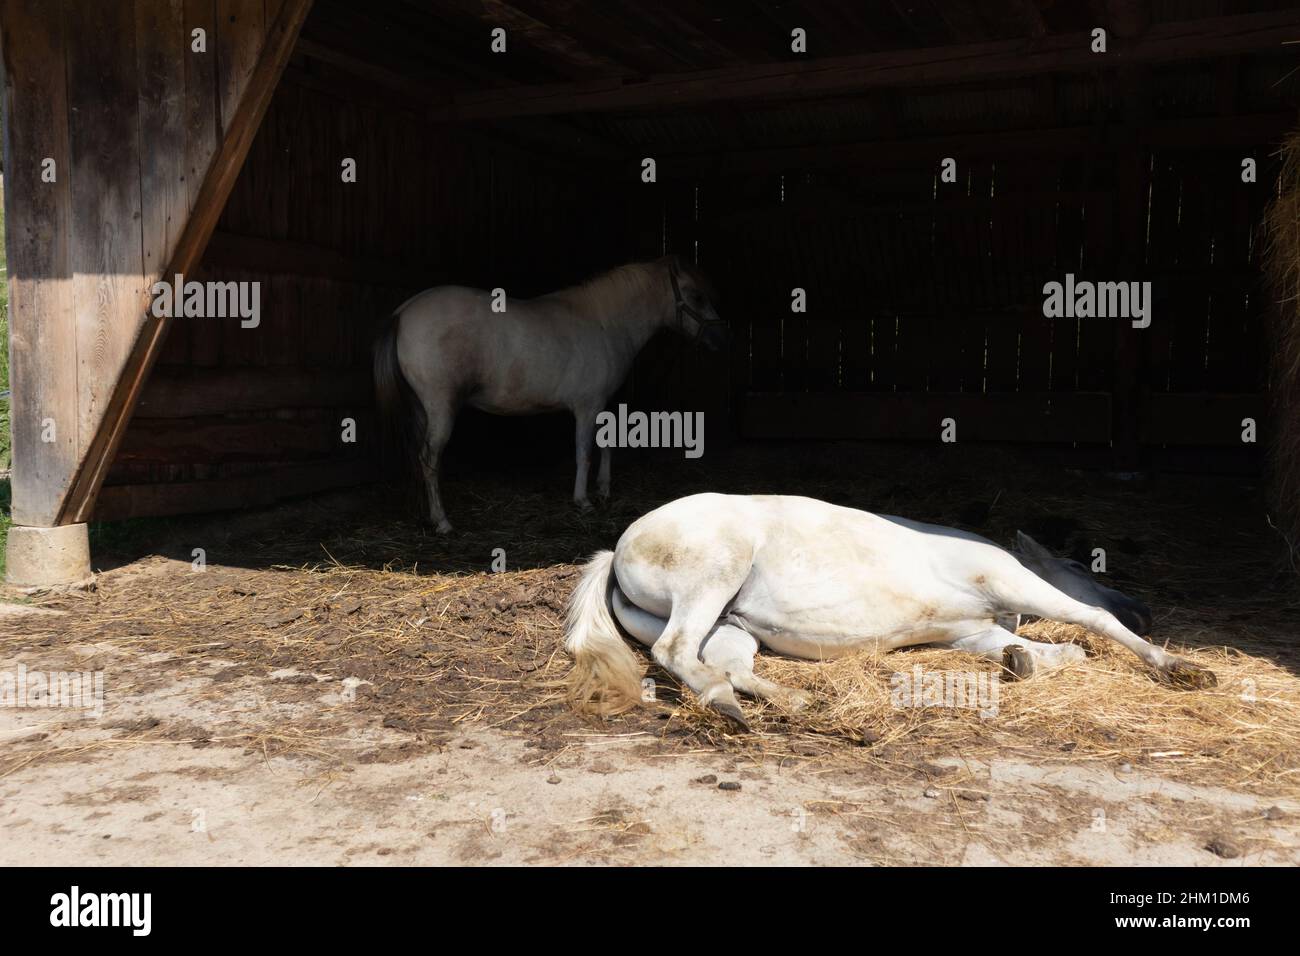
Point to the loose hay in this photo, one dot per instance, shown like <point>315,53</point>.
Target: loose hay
<point>1243,733</point>
<point>361,593</point>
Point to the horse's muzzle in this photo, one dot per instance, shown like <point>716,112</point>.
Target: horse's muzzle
<point>1134,615</point>
<point>715,337</point>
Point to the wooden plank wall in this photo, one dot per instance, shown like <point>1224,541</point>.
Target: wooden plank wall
<point>934,290</point>
<point>132,125</point>
<point>430,205</point>
<point>1204,252</point>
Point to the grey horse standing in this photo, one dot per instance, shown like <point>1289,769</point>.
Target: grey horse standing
<point>571,349</point>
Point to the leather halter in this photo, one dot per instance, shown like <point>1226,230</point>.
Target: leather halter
<point>684,308</point>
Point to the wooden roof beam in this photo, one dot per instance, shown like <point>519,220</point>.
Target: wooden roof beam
<point>1221,130</point>
<point>1033,18</point>
<point>602,29</point>
<point>1126,18</point>
<point>1192,39</point>
<point>415,93</point>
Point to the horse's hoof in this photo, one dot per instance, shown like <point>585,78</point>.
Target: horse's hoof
<point>1018,661</point>
<point>584,505</point>
<point>1188,676</point>
<point>444,527</point>
<point>732,712</point>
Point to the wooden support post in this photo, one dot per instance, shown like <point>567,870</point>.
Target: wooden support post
<point>1128,265</point>
<point>1131,185</point>
<point>241,127</point>
<point>38,223</point>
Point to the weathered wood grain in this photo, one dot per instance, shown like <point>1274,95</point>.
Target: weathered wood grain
<point>107,250</point>
<point>128,377</point>
<point>38,225</point>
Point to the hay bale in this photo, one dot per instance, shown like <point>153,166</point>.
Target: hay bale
<point>1283,267</point>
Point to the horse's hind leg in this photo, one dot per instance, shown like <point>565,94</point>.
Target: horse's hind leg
<point>731,650</point>
<point>678,651</point>
<point>440,418</point>
<point>1022,657</point>
<point>727,648</point>
<point>602,476</point>
<point>583,435</point>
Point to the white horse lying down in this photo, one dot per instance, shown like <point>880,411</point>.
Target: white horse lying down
<point>704,580</point>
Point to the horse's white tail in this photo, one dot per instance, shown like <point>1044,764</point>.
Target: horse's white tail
<point>606,677</point>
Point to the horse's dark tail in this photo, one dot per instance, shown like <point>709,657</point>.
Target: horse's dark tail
<point>401,415</point>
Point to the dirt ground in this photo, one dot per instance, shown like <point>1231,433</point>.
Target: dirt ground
<point>337,685</point>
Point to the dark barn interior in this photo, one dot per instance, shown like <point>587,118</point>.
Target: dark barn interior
<point>775,170</point>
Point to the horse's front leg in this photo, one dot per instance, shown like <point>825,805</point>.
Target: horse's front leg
<point>1020,656</point>
<point>584,435</point>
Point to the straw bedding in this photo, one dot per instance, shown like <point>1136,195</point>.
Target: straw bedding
<point>347,586</point>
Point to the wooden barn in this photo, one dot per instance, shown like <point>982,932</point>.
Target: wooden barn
<point>920,170</point>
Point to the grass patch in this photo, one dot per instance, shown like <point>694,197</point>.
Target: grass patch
<point>4,336</point>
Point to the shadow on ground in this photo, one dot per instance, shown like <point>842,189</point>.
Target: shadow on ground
<point>1185,544</point>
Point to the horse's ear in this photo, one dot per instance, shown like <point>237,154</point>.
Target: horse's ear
<point>1029,547</point>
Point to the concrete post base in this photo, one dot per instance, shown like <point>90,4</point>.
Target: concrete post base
<point>41,557</point>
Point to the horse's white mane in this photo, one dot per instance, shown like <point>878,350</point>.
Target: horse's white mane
<point>607,295</point>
